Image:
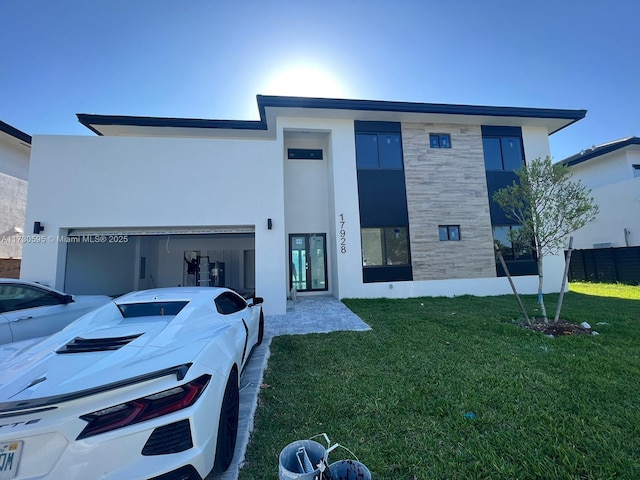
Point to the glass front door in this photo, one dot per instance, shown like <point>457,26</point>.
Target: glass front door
<point>308,262</point>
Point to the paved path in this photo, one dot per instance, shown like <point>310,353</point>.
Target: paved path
<point>319,314</point>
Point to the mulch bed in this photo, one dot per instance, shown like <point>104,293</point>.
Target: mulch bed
<point>558,329</point>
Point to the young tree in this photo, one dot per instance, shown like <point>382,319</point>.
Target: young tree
<point>548,205</point>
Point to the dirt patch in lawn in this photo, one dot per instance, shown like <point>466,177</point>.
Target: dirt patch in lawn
<point>557,329</point>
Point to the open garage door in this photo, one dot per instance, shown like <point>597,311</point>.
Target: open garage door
<point>114,261</point>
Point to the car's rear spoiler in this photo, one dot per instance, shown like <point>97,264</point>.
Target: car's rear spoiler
<point>10,409</point>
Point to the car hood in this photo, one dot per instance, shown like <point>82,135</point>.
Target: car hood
<point>35,369</point>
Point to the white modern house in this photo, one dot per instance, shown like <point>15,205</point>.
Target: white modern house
<point>352,198</point>
<point>612,172</point>
<point>15,150</point>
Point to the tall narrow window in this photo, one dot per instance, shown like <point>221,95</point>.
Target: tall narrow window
<point>382,197</point>
<point>503,155</point>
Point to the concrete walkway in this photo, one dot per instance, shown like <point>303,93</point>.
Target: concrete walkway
<point>318,314</point>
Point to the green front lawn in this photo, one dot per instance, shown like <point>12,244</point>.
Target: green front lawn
<point>451,388</point>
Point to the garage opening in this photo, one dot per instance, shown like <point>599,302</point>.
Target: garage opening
<point>115,262</point>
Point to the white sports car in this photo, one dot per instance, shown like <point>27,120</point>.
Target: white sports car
<point>145,387</point>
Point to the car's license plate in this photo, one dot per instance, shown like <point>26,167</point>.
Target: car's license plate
<point>9,459</point>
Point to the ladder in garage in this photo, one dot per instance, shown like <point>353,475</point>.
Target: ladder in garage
<point>204,279</point>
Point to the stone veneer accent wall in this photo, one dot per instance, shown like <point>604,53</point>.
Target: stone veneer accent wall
<point>447,186</point>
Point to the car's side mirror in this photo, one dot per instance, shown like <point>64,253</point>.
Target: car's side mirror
<point>67,299</point>
<point>257,300</point>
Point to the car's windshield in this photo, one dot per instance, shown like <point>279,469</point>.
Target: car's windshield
<point>150,309</point>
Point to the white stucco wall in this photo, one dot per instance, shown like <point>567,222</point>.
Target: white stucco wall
<point>14,157</point>
<point>633,156</point>
<point>14,172</point>
<point>619,204</point>
<point>607,169</point>
<point>617,192</point>
<point>120,182</point>
<point>536,145</point>
<point>306,185</point>
<point>346,236</point>
<point>13,202</point>
<point>80,182</point>
<point>337,194</point>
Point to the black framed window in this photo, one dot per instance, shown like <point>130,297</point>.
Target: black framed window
<point>385,246</point>
<point>502,153</point>
<point>304,154</point>
<point>449,232</point>
<point>379,151</point>
<point>636,170</point>
<point>440,140</point>
<point>382,197</point>
<point>509,250</point>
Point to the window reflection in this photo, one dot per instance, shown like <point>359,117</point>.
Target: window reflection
<point>385,246</point>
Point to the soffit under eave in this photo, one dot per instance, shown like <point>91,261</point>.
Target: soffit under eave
<point>11,140</point>
<point>550,124</point>
<point>271,113</point>
<point>181,132</point>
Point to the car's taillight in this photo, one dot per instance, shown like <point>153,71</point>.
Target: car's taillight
<point>145,408</point>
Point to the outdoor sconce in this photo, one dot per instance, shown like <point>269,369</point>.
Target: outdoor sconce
<point>37,228</point>
<point>269,224</point>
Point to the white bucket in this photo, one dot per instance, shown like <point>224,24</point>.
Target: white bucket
<point>299,460</point>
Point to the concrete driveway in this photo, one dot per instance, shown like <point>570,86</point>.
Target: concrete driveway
<point>317,314</point>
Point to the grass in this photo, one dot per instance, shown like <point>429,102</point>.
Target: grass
<point>401,396</point>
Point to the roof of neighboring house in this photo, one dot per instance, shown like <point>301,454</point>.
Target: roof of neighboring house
<point>271,106</point>
<point>597,151</point>
<point>14,132</point>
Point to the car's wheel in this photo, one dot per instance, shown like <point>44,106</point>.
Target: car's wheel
<point>261,328</point>
<point>228,425</point>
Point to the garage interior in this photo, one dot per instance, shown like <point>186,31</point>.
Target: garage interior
<point>117,262</point>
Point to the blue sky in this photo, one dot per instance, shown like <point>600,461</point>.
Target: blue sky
<point>210,58</point>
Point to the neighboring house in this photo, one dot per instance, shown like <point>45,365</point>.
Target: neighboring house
<point>352,198</point>
<point>15,149</point>
<point>612,172</point>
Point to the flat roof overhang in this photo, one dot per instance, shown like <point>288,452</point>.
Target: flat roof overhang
<point>271,107</point>
<point>600,150</point>
<point>14,135</point>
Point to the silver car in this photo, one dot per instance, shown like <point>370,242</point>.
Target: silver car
<point>30,310</point>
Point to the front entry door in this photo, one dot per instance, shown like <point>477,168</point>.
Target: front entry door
<point>308,262</point>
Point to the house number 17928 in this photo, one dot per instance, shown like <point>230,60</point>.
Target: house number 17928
<point>342,233</point>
